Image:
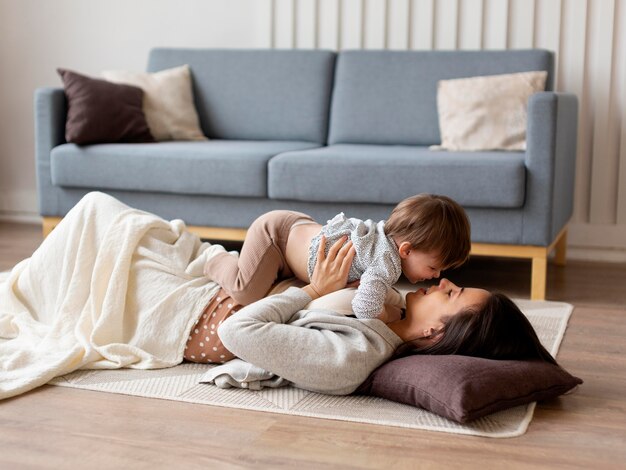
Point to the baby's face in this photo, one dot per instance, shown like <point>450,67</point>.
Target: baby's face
<point>418,266</point>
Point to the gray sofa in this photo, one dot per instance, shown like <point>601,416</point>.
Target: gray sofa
<point>324,132</point>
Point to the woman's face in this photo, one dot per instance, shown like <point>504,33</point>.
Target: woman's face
<point>426,307</point>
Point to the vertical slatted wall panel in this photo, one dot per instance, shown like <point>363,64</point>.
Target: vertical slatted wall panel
<point>423,24</point>
<point>602,203</point>
<point>470,24</point>
<point>620,56</point>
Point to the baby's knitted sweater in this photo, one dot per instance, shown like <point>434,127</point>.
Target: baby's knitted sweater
<point>376,263</point>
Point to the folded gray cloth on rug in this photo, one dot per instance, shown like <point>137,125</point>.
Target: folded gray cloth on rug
<point>241,374</point>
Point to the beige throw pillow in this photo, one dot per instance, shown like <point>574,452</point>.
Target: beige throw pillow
<point>168,101</point>
<point>486,113</point>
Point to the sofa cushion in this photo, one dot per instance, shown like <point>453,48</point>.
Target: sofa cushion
<point>388,174</point>
<point>257,94</point>
<point>223,168</point>
<point>390,97</point>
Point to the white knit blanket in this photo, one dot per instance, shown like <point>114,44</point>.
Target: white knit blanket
<point>110,287</point>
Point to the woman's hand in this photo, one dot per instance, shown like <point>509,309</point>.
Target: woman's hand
<point>331,271</point>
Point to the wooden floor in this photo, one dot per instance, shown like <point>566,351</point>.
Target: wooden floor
<point>54,427</point>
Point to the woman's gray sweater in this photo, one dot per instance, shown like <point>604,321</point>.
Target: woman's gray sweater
<point>317,350</point>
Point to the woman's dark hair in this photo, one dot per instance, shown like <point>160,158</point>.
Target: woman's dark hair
<point>496,330</point>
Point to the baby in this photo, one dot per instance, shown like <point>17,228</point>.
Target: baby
<point>424,235</point>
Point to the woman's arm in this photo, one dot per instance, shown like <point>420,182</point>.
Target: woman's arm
<point>316,350</point>
<point>330,275</point>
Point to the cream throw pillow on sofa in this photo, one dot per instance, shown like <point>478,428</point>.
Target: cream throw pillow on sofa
<point>486,113</point>
<point>168,101</point>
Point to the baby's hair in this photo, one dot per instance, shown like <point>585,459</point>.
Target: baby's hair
<point>431,222</point>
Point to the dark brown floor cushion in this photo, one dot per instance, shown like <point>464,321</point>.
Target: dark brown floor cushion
<point>464,388</point>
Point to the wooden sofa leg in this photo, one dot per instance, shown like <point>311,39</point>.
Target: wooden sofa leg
<point>48,223</point>
<point>560,249</point>
<point>539,277</point>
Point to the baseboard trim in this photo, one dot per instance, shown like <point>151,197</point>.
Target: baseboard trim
<point>586,253</point>
<point>20,218</point>
<point>600,236</point>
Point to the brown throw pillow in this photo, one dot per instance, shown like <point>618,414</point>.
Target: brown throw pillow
<point>464,388</point>
<point>102,112</point>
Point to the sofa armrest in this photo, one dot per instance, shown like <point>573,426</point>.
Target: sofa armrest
<point>550,163</point>
<point>50,115</point>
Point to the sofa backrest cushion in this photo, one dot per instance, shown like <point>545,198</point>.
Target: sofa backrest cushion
<point>257,94</point>
<point>390,97</point>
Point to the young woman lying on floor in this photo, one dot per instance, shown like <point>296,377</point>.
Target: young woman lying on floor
<point>115,287</point>
<point>326,351</point>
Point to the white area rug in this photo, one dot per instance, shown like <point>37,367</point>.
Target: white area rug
<point>180,383</point>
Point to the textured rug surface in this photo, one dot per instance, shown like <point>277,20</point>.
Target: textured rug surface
<point>180,383</point>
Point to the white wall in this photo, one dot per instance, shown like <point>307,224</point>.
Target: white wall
<point>37,36</point>
<point>588,36</point>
